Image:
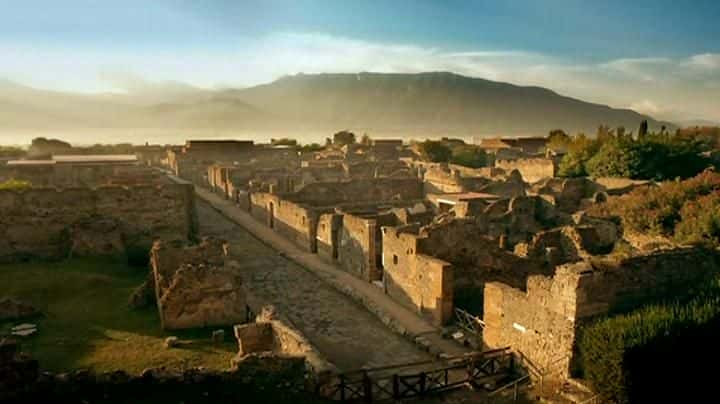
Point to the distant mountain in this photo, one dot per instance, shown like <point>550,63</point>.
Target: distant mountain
<point>403,103</point>
<point>699,123</point>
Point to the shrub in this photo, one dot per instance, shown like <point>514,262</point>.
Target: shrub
<point>627,357</point>
<point>435,151</point>
<point>700,221</point>
<point>685,210</point>
<point>656,156</point>
<point>469,156</point>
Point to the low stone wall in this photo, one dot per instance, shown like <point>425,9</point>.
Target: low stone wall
<point>272,332</point>
<point>257,378</point>
<point>47,223</point>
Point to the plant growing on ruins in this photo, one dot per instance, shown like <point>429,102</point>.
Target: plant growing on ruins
<point>687,210</point>
<point>470,156</point>
<point>435,151</point>
<point>343,138</point>
<point>700,221</point>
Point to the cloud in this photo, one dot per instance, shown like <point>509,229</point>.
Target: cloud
<point>664,87</point>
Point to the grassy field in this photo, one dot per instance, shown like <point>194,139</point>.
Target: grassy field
<point>87,323</point>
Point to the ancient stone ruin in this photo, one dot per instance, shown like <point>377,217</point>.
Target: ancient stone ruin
<point>196,286</point>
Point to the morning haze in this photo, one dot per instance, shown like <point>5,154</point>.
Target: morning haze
<point>378,201</point>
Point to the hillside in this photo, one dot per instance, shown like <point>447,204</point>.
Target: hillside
<point>425,102</point>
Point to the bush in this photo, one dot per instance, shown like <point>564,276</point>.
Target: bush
<point>627,357</point>
<point>469,156</point>
<point>700,221</point>
<point>656,156</point>
<point>434,151</point>
<point>685,210</point>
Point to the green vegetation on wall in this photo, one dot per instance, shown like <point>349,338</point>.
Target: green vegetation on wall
<point>686,211</point>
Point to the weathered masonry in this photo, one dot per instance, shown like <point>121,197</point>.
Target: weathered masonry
<point>542,322</point>
<point>297,215</point>
<point>49,223</point>
<point>195,287</point>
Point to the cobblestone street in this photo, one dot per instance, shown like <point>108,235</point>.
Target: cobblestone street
<point>345,332</point>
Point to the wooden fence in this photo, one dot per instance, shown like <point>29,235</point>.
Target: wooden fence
<point>421,378</point>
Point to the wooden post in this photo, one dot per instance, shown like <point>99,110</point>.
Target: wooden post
<point>515,391</point>
<point>367,387</point>
<point>342,388</point>
<point>423,377</point>
<point>396,387</point>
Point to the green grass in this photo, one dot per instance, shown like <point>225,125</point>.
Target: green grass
<point>88,325</point>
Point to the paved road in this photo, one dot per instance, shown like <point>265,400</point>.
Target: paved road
<point>345,332</point>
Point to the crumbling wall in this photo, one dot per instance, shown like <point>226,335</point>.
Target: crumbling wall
<point>274,333</point>
<point>419,282</point>
<point>476,258</point>
<point>366,190</point>
<point>531,169</point>
<point>542,322</point>
<point>518,219</point>
<point>47,223</point>
<point>195,287</point>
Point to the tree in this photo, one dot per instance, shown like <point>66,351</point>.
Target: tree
<point>343,138</point>
<point>642,132</point>
<point>435,151</point>
<point>469,156</point>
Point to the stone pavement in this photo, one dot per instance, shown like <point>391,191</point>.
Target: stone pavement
<point>345,332</point>
<point>395,316</point>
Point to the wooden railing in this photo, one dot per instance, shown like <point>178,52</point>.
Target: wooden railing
<point>468,322</point>
<point>420,378</point>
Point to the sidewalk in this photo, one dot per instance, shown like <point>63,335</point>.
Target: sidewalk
<point>397,317</point>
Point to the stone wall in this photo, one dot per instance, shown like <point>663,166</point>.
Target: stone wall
<point>367,190</point>
<point>195,287</point>
<point>257,378</point>
<point>542,322</point>
<point>294,221</point>
<point>358,247</point>
<point>419,282</point>
<point>67,175</point>
<point>46,223</point>
<point>328,230</point>
<point>531,169</point>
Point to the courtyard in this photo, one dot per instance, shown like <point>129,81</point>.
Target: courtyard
<point>87,323</point>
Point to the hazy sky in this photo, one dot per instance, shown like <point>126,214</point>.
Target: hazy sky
<point>658,56</point>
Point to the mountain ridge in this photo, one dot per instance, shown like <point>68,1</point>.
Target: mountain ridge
<point>399,102</point>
